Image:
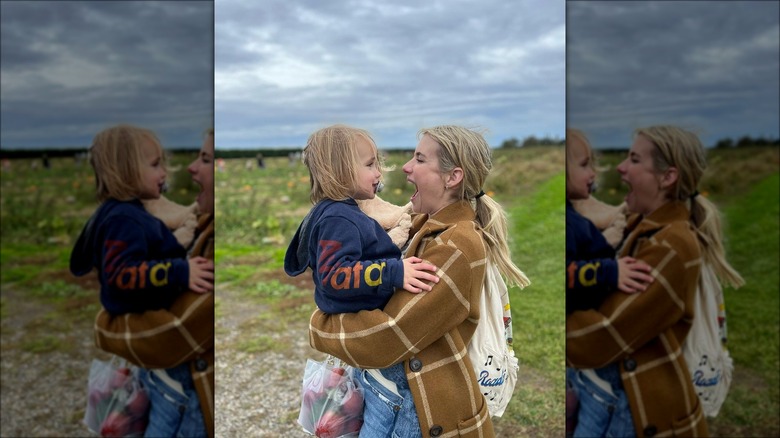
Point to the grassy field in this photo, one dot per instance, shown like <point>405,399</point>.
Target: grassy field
<point>258,210</point>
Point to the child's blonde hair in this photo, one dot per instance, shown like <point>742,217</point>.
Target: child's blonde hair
<point>467,149</point>
<point>331,155</point>
<point>681,149</point>
<point>572,136</point>
<point>116,156</point>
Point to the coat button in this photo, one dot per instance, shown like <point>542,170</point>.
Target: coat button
<point>415,365</point>
<point>201,365</point>
<point>630,364</point>
<point>436,430</point>
<point>650,430</point>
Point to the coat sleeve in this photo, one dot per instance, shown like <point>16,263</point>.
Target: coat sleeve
<point>626,322</point>
<point>409,322</point>
<point>160,338</point>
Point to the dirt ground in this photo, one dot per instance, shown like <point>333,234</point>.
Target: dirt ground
<point>261,352</point>
<point>46,357</point>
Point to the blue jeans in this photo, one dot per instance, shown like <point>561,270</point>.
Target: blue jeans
<point>172,414</point>
<point>601,414</point>
<point>386,414</point>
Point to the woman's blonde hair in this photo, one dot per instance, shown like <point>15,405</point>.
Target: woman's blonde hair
<point>681,149</point>
<point>116,156</point>
<point>467,149</point>
<point>331,155</point>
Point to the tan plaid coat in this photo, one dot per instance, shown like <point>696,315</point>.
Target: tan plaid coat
<point>644,332</point>
<point>429,331</point>
<point>168,338</point>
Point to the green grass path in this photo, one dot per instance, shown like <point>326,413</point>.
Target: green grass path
<point>537,241</point>
<point>753,311</point>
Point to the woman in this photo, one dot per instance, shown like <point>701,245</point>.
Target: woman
<point>424,336</point>
<point>634,341</point>
<point>181,337</point>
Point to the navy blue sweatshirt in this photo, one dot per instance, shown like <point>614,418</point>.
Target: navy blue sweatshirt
<point>355,265</point>
<point>140,264</point>
<point>591,267</point>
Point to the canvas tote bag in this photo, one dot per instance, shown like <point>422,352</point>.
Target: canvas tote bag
<point>490,349</point>
<point>704,348</point>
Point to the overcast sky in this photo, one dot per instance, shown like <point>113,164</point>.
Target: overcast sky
<point>70,69</point>
<point>709,66</point>
<point>286,68</point>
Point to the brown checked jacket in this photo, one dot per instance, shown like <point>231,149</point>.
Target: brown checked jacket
<point>169,337</point>
<point>644,332</point>
<point>428,331</point>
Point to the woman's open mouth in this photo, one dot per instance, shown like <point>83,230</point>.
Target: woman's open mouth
<point>416,190</point>
<point>627,184</point>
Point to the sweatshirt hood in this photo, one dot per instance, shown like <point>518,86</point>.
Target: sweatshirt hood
<point>84,256</point>
<point>296,259</point>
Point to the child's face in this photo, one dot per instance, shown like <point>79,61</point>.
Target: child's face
<point>368,170</point>
<point>581,175</point>
<point>202,170</point>
<point>152,172</point>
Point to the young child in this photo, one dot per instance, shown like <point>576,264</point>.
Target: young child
<point>592,273</point>
<point>140,264</point>
<point>355,264</point>
<point>591,268</point>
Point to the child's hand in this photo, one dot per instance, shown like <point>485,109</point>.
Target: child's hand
<point>633,275</point>
<point>201,275</point>
<point>414,274</point>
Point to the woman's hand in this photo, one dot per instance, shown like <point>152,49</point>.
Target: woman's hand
<point>201,274</point>
<point>415,275</point>
<point>633,275</point>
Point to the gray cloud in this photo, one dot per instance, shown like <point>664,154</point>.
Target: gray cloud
<point>72,68</point>
<point>284,69</point>
<point>710,66</point>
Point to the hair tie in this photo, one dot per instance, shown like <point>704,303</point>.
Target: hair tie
<point>694,194</point>
<point>480,194</point>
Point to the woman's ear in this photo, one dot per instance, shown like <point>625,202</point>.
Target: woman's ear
<point>669,177</point>
<point>454,177</point>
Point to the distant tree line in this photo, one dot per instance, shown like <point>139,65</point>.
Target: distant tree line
<point>744,141</point>
<point>532,141</point>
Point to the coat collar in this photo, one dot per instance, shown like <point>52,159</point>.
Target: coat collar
<point>458,211</point>
<point>638,225</point>
<point>673,211</point>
